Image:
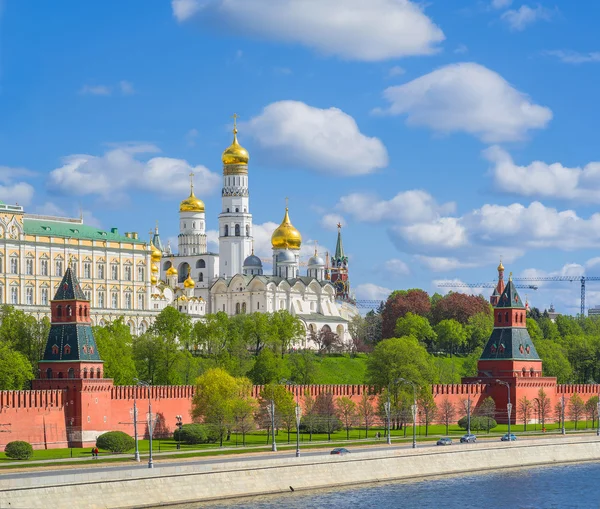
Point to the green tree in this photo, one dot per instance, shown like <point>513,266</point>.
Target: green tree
<point>146,354</point>
<point>347,410</point>
<point>284,406</point>
<point>591,409</point>
<point>242,411</point>
<point>302,366</point>
<point>487,411</point>
<point>15,369</point>
<point>288,329</point>
<point>469,366</point>
<point>479,329</point>
<point>217,393</point>
<point>555,362</point>
<point>115,347</point>
<point>268,368</point>
<point>399,358</point>
<point>23,333</point>
<point>427,407</point>
<point>576,408</point>
<point>524,407</point>
<point>172,332</point>
<point>544,407</point>
<point>416,326</point>
<point>258,331</point>
<point>210,335</point>
<point>309,418</point>
<point>535,332</point>
<point>366,410</point>
<point>327,412</point>
<point>451,335</point>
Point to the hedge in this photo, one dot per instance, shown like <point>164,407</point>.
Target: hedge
<point>193,434</point>
<point>478,423</point>
<point>115,441</point>
<point>19,450</point>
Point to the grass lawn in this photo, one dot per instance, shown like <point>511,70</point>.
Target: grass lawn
<point>341,369</point>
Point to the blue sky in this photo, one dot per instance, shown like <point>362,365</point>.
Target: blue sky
<point>442,134</point>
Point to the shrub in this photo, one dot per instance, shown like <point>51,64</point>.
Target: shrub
<point>320,424</point>
<point>115,441</point>
<point>19,450</point>
<point>196,434</point>
<point>478,423</point>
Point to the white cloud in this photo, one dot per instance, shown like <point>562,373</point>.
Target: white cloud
<point>520,19</point>
<point>95,90</point>
<point>445,264</point>
<point>396,267</point>
<point>461,49</point>
<point>445,232</point>
<point>574,57</point>
<point>407,206</point>
<point>12,192</point>
<point>500,4</point>
<point>458,286</point>
<point>126,87</point>
<point>330,221</point>
<point>396,71</point>
<point>327,140</point>
<point>351,29</point>
<point>184,9</point>
<point>120,169</point>
<point>467,97</point>
<point>542,179</point>
<point>370,291</point>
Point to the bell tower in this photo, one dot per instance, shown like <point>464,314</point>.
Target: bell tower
<point>339,269</point>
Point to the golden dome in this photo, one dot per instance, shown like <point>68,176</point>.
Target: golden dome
<point>191,204</point>
<point>500,267</point>
<point>189,282</point>
<point>153,269</point>
<point>171,271</point>
<point>155,255</point>
<point>235,153</point>
<point>286,236</point>
<point>153,279</point>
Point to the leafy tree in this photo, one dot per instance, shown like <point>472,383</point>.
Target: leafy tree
<point>115,441</point>
<point>18,450</point>
<point>115,347</point>
<point>243,410</point>
<point>549,328</point>
<point>171,331</point>
<point>560,412</point>
<point>210,335</point>
<point>287,413</point>
<point>309,419</point>
<point>327,412</point>
<point>479,329</point>
<point>535,332</point>
<point>417,327</point>
<point>258,332</point>
<point>568,326</point>
<point>303,367</point>
<point>451,335</point>
<point>544,406</point>
<point>478,423</point>
<point>366,411</point>
<point>268,368</point>
<point>487,411</point>
<point>399,358</point>
<point>427,407</point>
<point>447,412</point>
<point>469,367</point>
<point>284,406</point>
<point>216,394</point>
<point>534,313</point>
<point>459,307</point>
<point>347,410</point>
<point>555,362</point>
<point>15,369</point>
<point>401,302</point>
<point>591,409</point>
<point>23,333</point>
<point>288,329</point>
<point>576,408</point>
<point>524,407</point>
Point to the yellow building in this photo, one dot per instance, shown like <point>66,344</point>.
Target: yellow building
<point>113,269</point>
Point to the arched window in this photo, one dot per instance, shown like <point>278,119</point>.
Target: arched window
<point>226,234</point>
<point>237,308</point>
<point>85,373</point>
<point>67,349</point>
<point>71,373</point>
<point>54,349</point>
<point>237,230</point>
<point>69,311</point>
<point>49,373</point>
<point>80,311</point>
<point>243,308</point>
<point>200,264</point>
<point>499,317</point>
<point>194,224</point>
<point>524,371</point>
<point>92,373</point>
<point>98,374</point>
<point>247,230</point>
<point>201,277</point>
<point>531,372</point>
<point>60,375</point>
<point>59,311</point>
<point>506,316</point>
<point>237,209</point>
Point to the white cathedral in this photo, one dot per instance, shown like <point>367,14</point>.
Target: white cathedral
<point>198,282</point>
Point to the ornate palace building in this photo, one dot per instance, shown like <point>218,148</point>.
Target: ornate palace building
<point>35,251</point>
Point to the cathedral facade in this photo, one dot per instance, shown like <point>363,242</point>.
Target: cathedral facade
<point>197,282</point>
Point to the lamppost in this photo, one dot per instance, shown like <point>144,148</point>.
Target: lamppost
<point>538,405</point>
<point>271,410</point>
<point>179,426</point>
<point>135,417</point>
<point>508,405</point>
<point>414,409</point>
<point>562,411</point>
<point>469,405</point>
<point>388,412</point>
<point>150,420</point>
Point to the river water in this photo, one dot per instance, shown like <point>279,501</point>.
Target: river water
<point>557,487</point>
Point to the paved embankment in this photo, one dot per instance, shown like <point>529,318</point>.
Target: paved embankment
<point>168,484</point>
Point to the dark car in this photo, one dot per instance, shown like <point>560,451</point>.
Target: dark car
<point>340,450</point>
<point>468,439</point>
<point>444,441</point>
<point>506,438</point>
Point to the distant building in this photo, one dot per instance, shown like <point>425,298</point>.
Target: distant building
<point>595,311</point>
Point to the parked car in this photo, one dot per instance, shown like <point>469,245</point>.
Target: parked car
<point>468,439</point>
<point>444,441</point>
<point>506,438</point>
<point>340,450</point>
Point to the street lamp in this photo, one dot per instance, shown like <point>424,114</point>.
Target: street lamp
<point>179,426</point>
<point>508,405</point>
<point>298,411</point>
<point>388,412</point>
<point>150,423</point>
<point>271,411</point>
<point>414,409</point>
<point>469,405</point>
<point>562,411</point>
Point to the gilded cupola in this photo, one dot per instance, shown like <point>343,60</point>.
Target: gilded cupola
<point>235,154</point>
<point>191,203</point>
<point>171,271</point>
<point>286,236</point>
<point>189,282</point>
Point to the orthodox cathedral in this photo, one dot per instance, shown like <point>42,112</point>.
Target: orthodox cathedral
<point>198,282</point>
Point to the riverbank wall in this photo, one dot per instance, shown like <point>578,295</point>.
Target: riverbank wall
<point>169,485</point>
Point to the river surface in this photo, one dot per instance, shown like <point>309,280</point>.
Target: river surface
<point>558,487</point>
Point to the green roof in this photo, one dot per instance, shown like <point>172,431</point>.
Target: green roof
<point>72,230</point>
<point>69,288</point>
<point>510,297</point>
<point>79,339</point>
<point>510,343</point>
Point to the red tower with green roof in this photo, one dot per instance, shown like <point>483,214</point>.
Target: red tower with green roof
<point>339,269</point>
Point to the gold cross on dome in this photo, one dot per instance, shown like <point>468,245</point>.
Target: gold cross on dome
<point>235,116</point>
<point>287,202</point>
<point>192,180</point>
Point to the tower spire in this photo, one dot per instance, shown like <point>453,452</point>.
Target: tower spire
<point>191,183</point>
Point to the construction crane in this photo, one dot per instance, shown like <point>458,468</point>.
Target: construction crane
<point>448,284</point>
<point>581,279</point>
<point>368,304</point>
